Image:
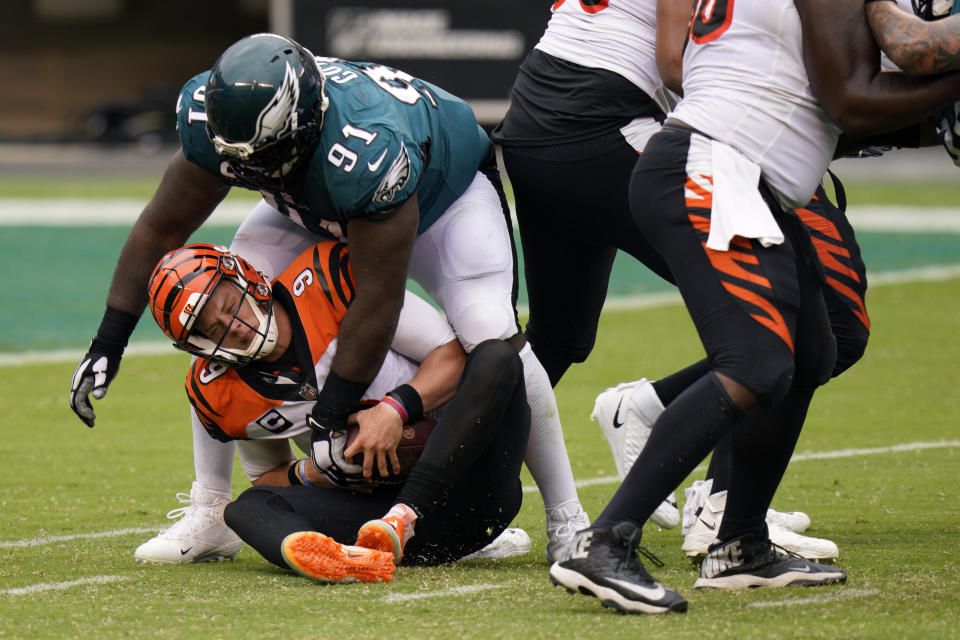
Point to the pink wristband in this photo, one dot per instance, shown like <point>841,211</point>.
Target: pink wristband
<point>399,408</point>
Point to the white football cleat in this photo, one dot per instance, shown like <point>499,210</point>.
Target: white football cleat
<point>703,533</point>
<point>703,528</point>
<point>626,414</point>
<point>201,534</point>
<point>795,521</point>
<point>509,544</point>
<point>562,526</point>
<point>804,546</point>
<point>694,497</point>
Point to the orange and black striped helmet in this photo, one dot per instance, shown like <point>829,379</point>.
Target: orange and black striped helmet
<point>182,283</point>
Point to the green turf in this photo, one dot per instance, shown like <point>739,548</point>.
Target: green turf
<point>894,515</point>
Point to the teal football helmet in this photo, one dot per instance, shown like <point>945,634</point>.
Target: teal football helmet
<point>265,100</point>
<point>935,9</point>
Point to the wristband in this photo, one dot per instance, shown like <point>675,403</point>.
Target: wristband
<point>292,476</point>
<point>337,400</point>
<point>116,327</point>
<point>302,474</point>
<point>411,404</point>
<point>398,407</point>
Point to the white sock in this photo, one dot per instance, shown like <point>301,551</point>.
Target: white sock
<point>212,460</point>
<point>546,456</point>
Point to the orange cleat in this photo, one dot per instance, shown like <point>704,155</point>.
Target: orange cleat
<point>388,534</point>
<point>321,558</point>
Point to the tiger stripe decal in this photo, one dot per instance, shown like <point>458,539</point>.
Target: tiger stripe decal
<point>845,274</point>
<point>738,268</point>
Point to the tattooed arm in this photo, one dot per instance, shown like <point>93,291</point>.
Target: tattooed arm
<point>916,46</point>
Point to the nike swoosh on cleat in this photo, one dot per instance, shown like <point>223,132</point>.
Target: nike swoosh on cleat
<point>712,527</point>
<point>647,593</point>
<point>617,425</point>
<point>184,552</point>
<point>803,569</point>
<point>373,166</point>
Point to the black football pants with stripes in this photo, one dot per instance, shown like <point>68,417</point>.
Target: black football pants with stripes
<point>844,293</point>
<point>466,483</point>
<point>761,317</point>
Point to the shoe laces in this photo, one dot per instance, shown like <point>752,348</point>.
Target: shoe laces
<point>179,512</point>
<point>190,517</point>
<point>632,546</point>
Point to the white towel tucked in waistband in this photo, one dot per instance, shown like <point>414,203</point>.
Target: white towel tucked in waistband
<point>738,207</point>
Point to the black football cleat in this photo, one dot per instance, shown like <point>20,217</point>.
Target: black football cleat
<point>753,561</point>
<point>604,564</point>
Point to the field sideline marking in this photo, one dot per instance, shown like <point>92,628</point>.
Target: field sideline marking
<point>589,482</point>
<point>841,595</point>
<point>124,211</point>
<point>456,591</point>
<point>59,586</point>
<point>619,303</point>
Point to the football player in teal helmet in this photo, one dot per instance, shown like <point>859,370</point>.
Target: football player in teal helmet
<point>353,151</point>
<point>265,103</point>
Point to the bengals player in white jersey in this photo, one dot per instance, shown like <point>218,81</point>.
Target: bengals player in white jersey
<point>585,102</point>
<point>262,352</point>
<point>764,102</point>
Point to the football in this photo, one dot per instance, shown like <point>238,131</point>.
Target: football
<point>412,442</point>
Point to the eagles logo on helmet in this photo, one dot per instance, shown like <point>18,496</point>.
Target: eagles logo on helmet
<point>265,100</point>
<point>180,286</point>
<point>935,9</point>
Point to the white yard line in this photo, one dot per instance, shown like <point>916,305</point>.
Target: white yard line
<point>57,212</point>
<point>588,482</point>
<point>123,211</point>
<point>36,542</point>
<point>800,457</point>
<point>59,586</point>
<point>847,594</point>
<point>456,591</point>
<point>614,303</point>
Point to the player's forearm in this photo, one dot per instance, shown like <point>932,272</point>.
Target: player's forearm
<point>843,66</point>
<point>436,379</point>
<point>185,198</point>
<point>673,22</point>
<point>914,45</point>
<point>365,335</point>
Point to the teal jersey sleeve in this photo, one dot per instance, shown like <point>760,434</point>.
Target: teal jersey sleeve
<point>192,125</point>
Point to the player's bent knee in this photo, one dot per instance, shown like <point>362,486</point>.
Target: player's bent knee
<point>816,361</point>
<point>479,322</point>
<point>498,355</point>
<point>768,380</point>
<point>572,348</point>
<point>850,348</point>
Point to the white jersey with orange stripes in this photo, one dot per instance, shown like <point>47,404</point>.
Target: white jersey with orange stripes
<point>244,403</point>
<point>616,35</point>
<point>745,85</point>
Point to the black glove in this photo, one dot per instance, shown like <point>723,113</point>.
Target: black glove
<point>949,131</point>
<point>100,365</point>
<point>328,421</point>
<point>326,452</point>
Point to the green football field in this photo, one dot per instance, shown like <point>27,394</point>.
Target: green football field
<point>876,469</point>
